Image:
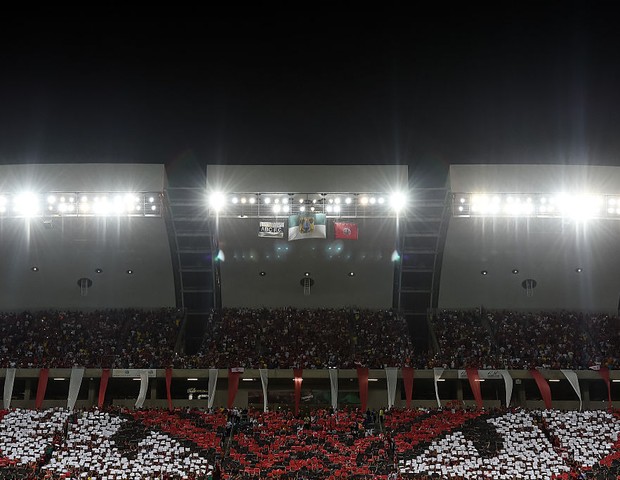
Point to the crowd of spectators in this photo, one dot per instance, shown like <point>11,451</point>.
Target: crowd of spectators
<point>304,338</point>
<point>518,340</point>
<point>194,444</point>
<point>109,338</point>
<point>309,339</point>
<point>463,341</point>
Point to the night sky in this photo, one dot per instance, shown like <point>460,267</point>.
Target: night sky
<point>421,83</point>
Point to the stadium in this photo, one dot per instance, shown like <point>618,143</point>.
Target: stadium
<point>315,321</point>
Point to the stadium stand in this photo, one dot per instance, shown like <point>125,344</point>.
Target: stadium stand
<point>233,303</point>
<point>128,338</point>
<point>444,443</point>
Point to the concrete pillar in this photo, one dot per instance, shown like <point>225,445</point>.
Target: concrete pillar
<point>585,394</point>
<point>91,391</point>
<point>28,389</point>
<point>459,390</point>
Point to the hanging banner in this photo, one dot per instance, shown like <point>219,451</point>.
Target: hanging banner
<point>264,380</point>
<point>168,385</point>
<point>304,226</point>
<point>233,385</point>
<point>604,373</point>
<point>333,384</point>
<point>103,386</point>
<point>508,382</point>
<point>543,386</point>
<point>408,373</point>
<point>362,379</point>
<point>9,381</point>
<point>493,375</point>
<point>42,386</point>
<point>437,372</point>
<point>144,386</point>
<point>75,382</point>
<point>574,381</point>
<point>345,231</point>
<point>271,229</point>
<point>391,375</point>
<point>297,378</point>
<point>132,372</point>
<point>212,386</point>
<point>474,383</point>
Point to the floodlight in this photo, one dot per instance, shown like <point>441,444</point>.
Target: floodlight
<point>26,203</point>
<point>398,201</point>
<point>312,209</point>
<point>337,201</point>
<point>364,200</point>
<point>276,209</point>
<point>267,200</point>
<point>217,201</point>
<point>337,209</point>
<point>84,199</point>
<point>285,208</point>
<point>302,209</point>
<point>348,201</point>
<point>285,201</point>
<point>301,200</point>
<point>51,199</point>
<point>329,209</point>
<point>373,200</point>
<point>252,200</point>
<point>381,200</point>
<point>151,199</point>
<point>243,200</point>
<point>277,200</point>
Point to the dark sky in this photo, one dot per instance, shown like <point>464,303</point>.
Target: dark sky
<point>422,83</point>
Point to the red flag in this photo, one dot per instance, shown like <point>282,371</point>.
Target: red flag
<point>43,374</point>
<point>345,231</point>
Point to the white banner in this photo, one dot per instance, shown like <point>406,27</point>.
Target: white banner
<point>493,375</point>
<point>574,381</point>
<point>333,382</point>
<point>483,374</point>
<point>9,380</point>
<point>391,374</point>
<point>271,229</point>
<point>437,372</point>
<point>75,382</point>
<point>132,372</point>
<point>144,386</point>
<point>212,385</point>
<point>508,384</point>
<point>264,380</point>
